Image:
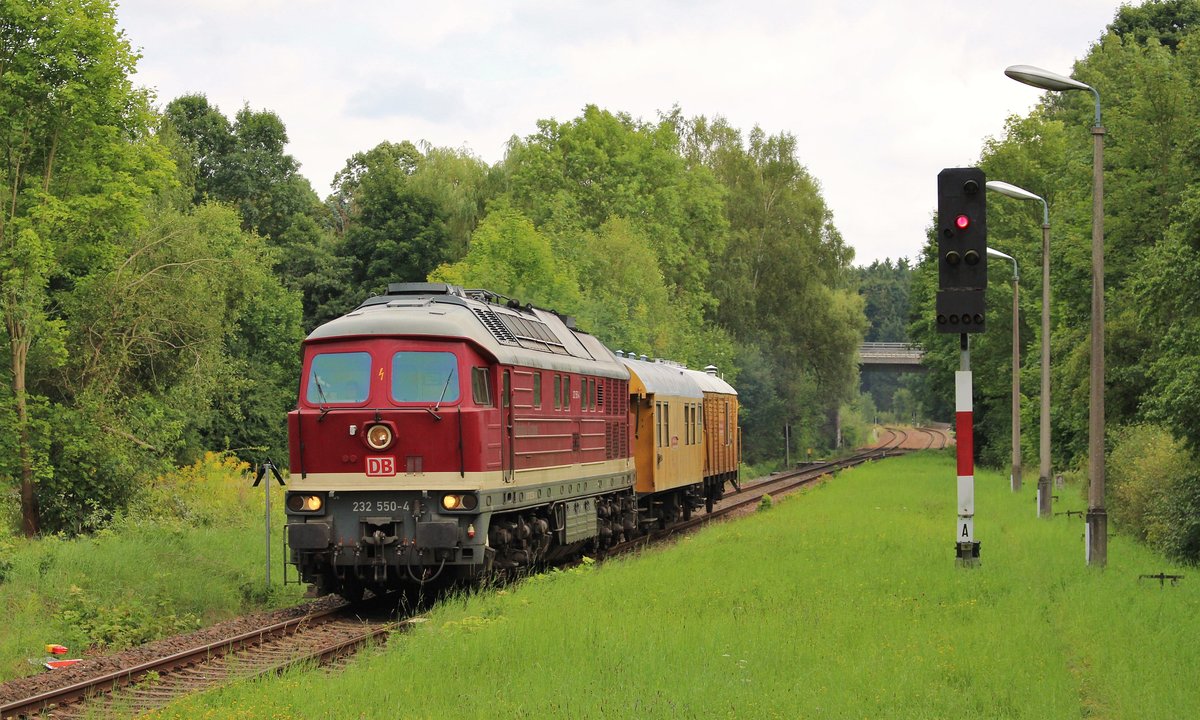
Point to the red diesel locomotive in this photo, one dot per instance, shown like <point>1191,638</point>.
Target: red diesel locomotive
<point>442,434</point>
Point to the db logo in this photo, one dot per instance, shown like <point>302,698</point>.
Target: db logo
<point>382,466</point>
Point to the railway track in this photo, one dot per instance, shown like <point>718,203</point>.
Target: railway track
<point>321,637</point>
<point>334,632</point>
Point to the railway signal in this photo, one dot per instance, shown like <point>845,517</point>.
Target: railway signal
<point>962,250</point>
<point>962,283</point>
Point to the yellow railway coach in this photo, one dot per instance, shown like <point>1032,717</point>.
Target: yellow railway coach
<point>681,465</point>
<point>722,437</point>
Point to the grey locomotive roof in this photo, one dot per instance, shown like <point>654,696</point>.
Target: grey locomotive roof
<point>662,378</point>
<point>514,335</point>
<point>712,383</point>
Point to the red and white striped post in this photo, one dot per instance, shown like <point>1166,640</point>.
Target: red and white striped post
<point>967,548</point>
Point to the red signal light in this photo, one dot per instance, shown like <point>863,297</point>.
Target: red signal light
<point>962,222</point>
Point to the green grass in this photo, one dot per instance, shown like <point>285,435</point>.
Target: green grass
<point>195,556</point>
<point>844,602</point>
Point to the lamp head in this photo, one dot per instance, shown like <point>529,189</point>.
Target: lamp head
<point>1011,190</point>
<point>1043,79</point>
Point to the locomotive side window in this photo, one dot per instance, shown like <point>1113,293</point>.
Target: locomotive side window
<point>430,377</point>
<point>339,378</point>
<point>557,392</point>
<point>480,389</point>
<point>537,390</point>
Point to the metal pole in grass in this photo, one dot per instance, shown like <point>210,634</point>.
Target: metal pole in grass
<point>1096,550</point>
<point>262,470</point>
<point>1016,373</point>
<point>1044,493</point>
<point>967,547</point>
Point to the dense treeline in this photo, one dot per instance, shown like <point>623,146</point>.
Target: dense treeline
<point>160,267</point>
<point>1146,68</point>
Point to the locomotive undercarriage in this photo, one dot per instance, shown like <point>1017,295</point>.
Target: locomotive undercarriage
<point>348,553</point>
<point>550,533</point>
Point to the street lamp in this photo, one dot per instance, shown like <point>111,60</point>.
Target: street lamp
<point>1016,373</point>
<point>1044,495</point>
<point>1097,516</point>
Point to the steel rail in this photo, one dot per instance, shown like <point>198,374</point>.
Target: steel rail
<point>107,683</point>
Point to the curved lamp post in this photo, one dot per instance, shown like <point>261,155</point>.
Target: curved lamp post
<point>1097,516</point>
<point>1044,495</point>
<point>1016,373</point>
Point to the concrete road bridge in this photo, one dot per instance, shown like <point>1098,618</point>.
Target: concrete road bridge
<point>890,356</point>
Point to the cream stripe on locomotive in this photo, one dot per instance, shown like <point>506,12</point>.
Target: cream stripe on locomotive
<point>316,482</point>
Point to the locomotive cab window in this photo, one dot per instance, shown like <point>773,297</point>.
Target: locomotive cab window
<point>429,377</point>
<point>339,379</point>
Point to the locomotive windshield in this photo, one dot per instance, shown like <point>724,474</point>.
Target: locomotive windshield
<point>339,378</point>
<point>430,377</point>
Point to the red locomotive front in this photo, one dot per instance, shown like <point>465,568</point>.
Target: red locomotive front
<point>420,447</point>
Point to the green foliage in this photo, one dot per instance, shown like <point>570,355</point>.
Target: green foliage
<point>884,288</point>
<point>133,621</point>
<point>78,164</point>
<point>639,226</point>
<point>6,554</point>
<point>510,256</point>
<point>242,163</point>
<point>765,503</point>
<point>1146,463</point>
<point>1155,488</point>
<point>604,165</point>
<point>1167,21</point>
<point>214,492</point>
<point>190,551</point>
<point>783,255</point>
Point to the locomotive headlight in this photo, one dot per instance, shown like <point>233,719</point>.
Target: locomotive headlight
<point>379,436</point>
<point>459,502</point>
<point>304,503</point>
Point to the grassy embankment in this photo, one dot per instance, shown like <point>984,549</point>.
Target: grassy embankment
<point>843,602</point>
<point>191,554</point>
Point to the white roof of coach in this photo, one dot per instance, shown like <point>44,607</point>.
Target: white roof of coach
<point>711,383</point>
<point>661,378</point>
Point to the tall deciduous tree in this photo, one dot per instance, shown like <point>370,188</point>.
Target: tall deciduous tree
<point>783,281</point>
<point>243,163</point>
<point>604,165</point>
<point>73,155</point>
<point>510,256</point>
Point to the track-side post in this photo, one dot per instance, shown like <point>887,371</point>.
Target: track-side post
<point>263,469</point>
<point>966,546</point>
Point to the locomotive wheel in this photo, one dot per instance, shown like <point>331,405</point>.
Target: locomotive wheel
<point>351,590</point>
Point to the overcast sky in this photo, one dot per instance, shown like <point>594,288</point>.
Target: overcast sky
<point>880,94</point>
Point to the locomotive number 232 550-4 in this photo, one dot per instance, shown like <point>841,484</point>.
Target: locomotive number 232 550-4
<point>379,506</point>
